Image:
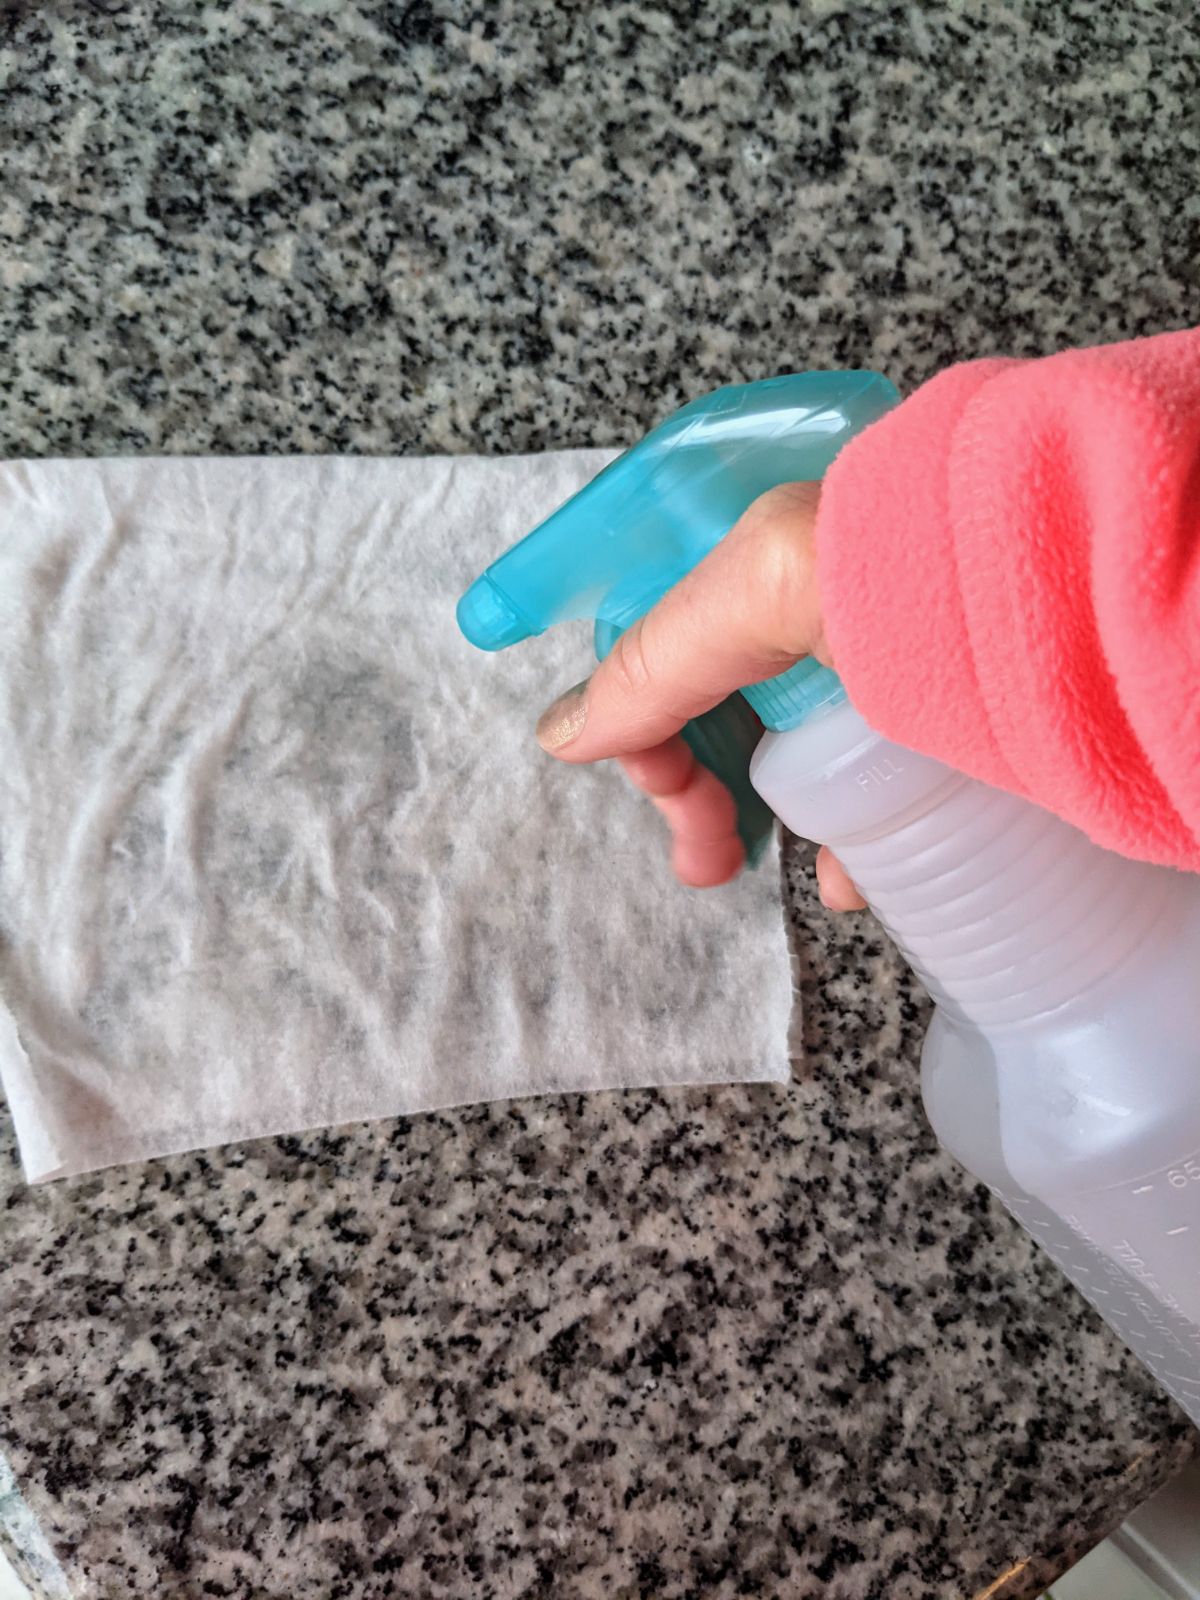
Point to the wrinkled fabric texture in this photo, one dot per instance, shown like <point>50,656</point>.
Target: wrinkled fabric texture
<point>279,849</point>
<point>1010,573</point>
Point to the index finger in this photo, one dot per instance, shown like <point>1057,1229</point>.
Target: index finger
<point>749,610</point>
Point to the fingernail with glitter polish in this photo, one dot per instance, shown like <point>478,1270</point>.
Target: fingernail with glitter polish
<point>563,721</point>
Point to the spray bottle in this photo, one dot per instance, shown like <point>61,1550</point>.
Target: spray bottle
<point>1062,1064</point>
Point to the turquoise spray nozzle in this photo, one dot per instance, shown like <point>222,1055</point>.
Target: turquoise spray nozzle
<point>627,537</point>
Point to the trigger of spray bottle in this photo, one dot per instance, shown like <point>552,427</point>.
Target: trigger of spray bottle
<point>613,549</point>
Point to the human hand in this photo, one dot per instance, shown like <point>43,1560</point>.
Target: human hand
<point>749,610</point>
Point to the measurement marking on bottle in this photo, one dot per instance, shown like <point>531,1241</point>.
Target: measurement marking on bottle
<point>1145,1189</point>
<point>1171,1232</point>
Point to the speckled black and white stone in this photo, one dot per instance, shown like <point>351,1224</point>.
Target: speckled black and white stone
<point>748,1342</point>
<point>752,1342</point>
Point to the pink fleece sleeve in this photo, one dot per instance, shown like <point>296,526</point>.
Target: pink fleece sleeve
<point>1010,575</point>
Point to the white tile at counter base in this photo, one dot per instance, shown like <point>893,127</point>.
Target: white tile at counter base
<point>1104,1574</point>
<point>1162,1538</point>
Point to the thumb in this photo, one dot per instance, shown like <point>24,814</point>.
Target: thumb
<point>749,610</point>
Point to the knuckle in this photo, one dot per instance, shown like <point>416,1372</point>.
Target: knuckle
<point>788,505</point>
<point>779,546</point>
<point>629,666</point>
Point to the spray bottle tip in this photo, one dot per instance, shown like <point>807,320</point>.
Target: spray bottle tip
<point>487,619</point>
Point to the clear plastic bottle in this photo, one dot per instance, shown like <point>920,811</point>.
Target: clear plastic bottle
<point>1063,1063</point>
<point>1062,1066</point>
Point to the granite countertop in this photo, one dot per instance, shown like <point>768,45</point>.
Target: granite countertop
<point>759,1341</point>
